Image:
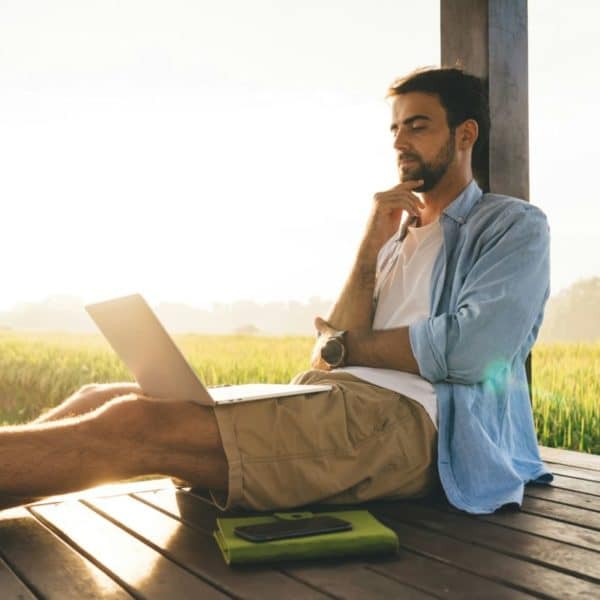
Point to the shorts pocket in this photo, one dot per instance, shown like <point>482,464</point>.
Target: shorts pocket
<point>372,412</point>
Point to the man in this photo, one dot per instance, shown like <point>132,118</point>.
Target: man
<point>424,348</point>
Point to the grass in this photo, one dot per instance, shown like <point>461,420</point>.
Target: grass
<point>38,371</point>
<point>566,396</point>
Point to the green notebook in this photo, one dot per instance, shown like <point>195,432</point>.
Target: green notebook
<point>368,536</point>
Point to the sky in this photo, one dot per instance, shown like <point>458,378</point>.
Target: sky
<point>206,151</point>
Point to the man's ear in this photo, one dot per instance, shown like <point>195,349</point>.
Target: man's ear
<point>467,133</point>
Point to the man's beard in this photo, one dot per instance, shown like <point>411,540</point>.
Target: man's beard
<point>429,172</point>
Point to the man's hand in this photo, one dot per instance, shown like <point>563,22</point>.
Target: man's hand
<point>93,395</point>
<point>88,398</point>
<point>325,330</point>
<point>387,212</point>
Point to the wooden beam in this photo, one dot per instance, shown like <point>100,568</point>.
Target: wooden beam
<point>489,38</point>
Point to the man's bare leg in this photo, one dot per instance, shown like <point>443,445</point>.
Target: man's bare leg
<point>86,399</point>
<point>126,437</point>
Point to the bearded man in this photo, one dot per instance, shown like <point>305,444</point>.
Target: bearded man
<point>424,350</point>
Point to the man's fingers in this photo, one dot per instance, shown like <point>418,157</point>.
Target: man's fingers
<point>399,191</point>
<point>323,326</point>
<point>403,199</point>
<point>404,189</point>
<point>410,184</point>
<point>320,324</point>
<point>392,202</point>
<point>123,387</point>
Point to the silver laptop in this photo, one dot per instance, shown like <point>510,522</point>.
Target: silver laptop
<point>143,344</point>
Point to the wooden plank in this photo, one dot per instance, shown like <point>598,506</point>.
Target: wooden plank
<point>577,485</point>
<point>342,576</point>
<point>562,512</point>
<point>355,582</point>
<point>512,572</point>
<point>554,494</point>
<point>571,458</point>
<point>197,551</point>
<point>445,581</point>
<point>50,567</point>
<point>575,472</point>
<point>525,546</point>
<point>11,586</point>
<point>185,507</point>
<point>112,489</point>
<point>549,528</point>
<point>135,565</point>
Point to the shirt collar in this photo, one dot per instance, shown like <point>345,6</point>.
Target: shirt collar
<point>461,206</point>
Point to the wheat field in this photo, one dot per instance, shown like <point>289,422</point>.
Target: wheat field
<point>38,371</point>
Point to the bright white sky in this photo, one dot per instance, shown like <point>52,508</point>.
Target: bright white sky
<point>217,150</point>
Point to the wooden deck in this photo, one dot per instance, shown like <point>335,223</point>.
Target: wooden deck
<point>151,540</point>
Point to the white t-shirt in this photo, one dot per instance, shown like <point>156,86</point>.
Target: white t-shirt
<point>402,295</point>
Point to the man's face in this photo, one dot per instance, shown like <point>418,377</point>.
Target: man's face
<point>422,139</point>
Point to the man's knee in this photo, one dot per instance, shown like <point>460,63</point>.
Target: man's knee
<point>161,423</point>
<point>123,415</point>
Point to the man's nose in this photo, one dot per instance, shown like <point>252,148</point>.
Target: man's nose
<point>400,141</point>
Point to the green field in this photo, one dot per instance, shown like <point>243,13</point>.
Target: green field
<point>36,372</point>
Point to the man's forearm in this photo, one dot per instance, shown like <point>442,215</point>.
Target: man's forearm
<point>353,310</point>
<point>354,307</point>
<point>384,349</point>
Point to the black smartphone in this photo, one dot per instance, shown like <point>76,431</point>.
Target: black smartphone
<point>280,530</point>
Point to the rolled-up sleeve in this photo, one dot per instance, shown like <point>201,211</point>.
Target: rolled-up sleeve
<point>496,307</point>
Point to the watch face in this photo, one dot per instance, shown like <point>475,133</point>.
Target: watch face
<point>332,352</point>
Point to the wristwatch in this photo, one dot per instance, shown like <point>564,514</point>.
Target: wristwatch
<point>333,351</point>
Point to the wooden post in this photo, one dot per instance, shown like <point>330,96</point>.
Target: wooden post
<point>489,38</point>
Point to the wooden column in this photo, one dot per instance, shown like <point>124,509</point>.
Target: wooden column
<point>489,38</point>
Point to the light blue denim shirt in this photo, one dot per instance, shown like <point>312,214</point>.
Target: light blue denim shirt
<point>489,285</point>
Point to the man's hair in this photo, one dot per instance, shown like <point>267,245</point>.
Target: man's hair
<point>463,96</point>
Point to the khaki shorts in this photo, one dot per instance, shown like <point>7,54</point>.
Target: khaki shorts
<point>355,443</point>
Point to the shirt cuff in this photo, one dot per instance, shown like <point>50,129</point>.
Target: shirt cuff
<point>426,349</point>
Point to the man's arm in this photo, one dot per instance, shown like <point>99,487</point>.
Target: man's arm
<point>353,310</point>
<point>499,303</point>
<point>384,349</point>
<point>354,307</point>
<point>497,309</point>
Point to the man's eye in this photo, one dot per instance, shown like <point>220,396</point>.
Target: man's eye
<point>418,127</point>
